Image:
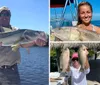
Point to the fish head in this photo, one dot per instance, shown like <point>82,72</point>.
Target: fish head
<point>66,34</point>
<point>31,33</point>
<point>66,51</point>
<point>83,50</point>
<point>34,35</point>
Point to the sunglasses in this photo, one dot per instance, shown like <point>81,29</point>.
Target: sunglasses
<point>5,14</point>
<point>75,59</point>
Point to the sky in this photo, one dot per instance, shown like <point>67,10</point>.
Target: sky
<point>95,5</point>
<point>28,14</point>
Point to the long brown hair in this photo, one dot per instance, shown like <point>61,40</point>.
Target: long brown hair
<point>81,4</point>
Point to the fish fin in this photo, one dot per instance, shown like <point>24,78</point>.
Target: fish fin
<point>81,69</point>
<point>68,68</point>
<point>81,38</point>
<point>15,47</point>
<point>28,50</point>
<point>63,74</point>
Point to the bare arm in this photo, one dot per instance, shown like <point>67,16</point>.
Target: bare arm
<point>97,29</point>
<point>38,42</point>
<point>87,64</point>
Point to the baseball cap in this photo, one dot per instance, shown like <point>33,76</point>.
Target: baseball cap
<point>4,8</point>
<point>75,55</point>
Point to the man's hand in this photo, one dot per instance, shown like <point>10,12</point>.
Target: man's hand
<point>40,42</point>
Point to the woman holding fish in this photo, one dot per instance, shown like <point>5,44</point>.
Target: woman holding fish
<point>84,17</point>
<point>78,76</point>
<point>9,58</point>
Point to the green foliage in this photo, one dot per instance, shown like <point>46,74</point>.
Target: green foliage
<point>53,52</point>
<point>91,52</point>
<point>71,51</point>
<point>53,64</point>
<point>53,60</point>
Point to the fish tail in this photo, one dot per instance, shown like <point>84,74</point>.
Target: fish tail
<point>63,74</point>
<point>66,69</point>
<point>81,69</point>
<point>15,47</point>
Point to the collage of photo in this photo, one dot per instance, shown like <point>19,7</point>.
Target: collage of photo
<point>74,42</point>
<point>49,42</point>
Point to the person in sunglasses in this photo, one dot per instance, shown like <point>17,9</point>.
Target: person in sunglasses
<point>77,77</point>
<point>8,58</point>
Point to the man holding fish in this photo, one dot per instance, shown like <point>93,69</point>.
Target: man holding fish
<point>79,68</point>
<point>9,58</point>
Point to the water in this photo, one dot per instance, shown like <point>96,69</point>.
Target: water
<point>55,24</point>
<point>33,68</point>
<point>96,22</point>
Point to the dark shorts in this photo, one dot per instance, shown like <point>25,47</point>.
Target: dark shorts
<point>9,75</point>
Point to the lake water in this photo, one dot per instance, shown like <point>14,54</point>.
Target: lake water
<point>33,68</point>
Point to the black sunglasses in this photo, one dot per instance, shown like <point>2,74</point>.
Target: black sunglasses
<point>75,59</point>
<point>5,14</point>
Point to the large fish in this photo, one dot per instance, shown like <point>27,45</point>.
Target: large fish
<point>65,60</point>
<point>21,36</point>
<point>74,34</point>
<point>82,57</point>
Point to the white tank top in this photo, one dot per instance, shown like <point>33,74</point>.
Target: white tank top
<point>93,28</point>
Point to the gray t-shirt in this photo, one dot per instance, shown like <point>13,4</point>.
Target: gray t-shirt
<point>7,56</point>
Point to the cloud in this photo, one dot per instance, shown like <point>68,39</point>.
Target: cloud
<point>96,16</point>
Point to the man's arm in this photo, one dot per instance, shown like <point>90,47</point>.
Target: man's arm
<point>38,42</point>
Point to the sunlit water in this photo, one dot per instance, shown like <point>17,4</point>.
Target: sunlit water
<point>33,68</point>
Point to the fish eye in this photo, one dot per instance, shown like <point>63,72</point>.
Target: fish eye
<point>84,49</point>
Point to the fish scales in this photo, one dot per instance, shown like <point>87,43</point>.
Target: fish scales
<point>20,36</point>
<point>65,60</point>
<point>75,34</point>
<point>7,34</point>
<point>82,57</point>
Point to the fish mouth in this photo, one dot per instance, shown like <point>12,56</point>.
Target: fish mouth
<point>0,43</point>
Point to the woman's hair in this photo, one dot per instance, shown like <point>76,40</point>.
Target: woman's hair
<point>81,4</point>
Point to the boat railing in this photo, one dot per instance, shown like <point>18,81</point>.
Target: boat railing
<point>56,22</point>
